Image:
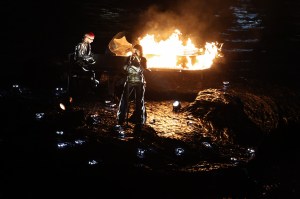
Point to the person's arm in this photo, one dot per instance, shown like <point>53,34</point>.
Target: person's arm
<point>144,64</point>
<point>91,54</point>
<point>127,64</point>
<point>79,52</point>
<point>81,55</point>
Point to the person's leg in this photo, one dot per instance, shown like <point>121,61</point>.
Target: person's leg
<point>140,104</point>
<point>123,105</point>
<point>95,82</point>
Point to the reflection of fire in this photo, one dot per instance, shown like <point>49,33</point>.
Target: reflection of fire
<point>172,54</point>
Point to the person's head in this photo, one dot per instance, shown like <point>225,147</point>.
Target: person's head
<point>138,49</point>
<point>89,37</point>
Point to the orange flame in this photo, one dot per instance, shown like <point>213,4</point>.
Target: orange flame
<point>172,54</point>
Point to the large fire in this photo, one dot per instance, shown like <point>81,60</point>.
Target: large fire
<point>173,54</point>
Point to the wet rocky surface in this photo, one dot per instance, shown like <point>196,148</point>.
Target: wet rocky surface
<point>233,138</point>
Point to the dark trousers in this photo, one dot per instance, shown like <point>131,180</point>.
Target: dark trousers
<point>136,90</point>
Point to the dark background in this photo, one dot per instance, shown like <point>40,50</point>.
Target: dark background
<point>38,36</point>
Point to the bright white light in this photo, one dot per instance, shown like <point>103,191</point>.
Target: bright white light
<point>118,128</point>
<point>122,133</point>
<point>93,162</point>
<point>62,106</point>
<point>59,91</point>
<point>233,159</point>
<point>141,153</point>
<point>79,142</point>
<point>179,151</point>
<point>59,132</point>
<point>95,119</point>
<point>189,123</point>
<point>176,103</point>
<point>206,144</point>
<point>250,150</point>
<point>62,145</point>
<point>39,116</point>
<point>176,106</point>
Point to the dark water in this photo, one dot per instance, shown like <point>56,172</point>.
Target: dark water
<point>260,41</point>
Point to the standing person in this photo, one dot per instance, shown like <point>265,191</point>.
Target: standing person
<point>84,57</point>
<point>134,86</point>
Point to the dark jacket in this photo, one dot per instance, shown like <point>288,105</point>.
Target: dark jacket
<point>134,69</point>
<point>83,54</point>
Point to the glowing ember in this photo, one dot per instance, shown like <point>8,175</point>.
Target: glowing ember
<point>173,54</point>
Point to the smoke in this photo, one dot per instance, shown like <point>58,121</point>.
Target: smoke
<point>193,18</point>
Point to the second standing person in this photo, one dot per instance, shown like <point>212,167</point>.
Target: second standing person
<point>134,87</point>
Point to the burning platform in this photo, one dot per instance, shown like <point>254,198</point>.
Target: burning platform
<point>171,54</point>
